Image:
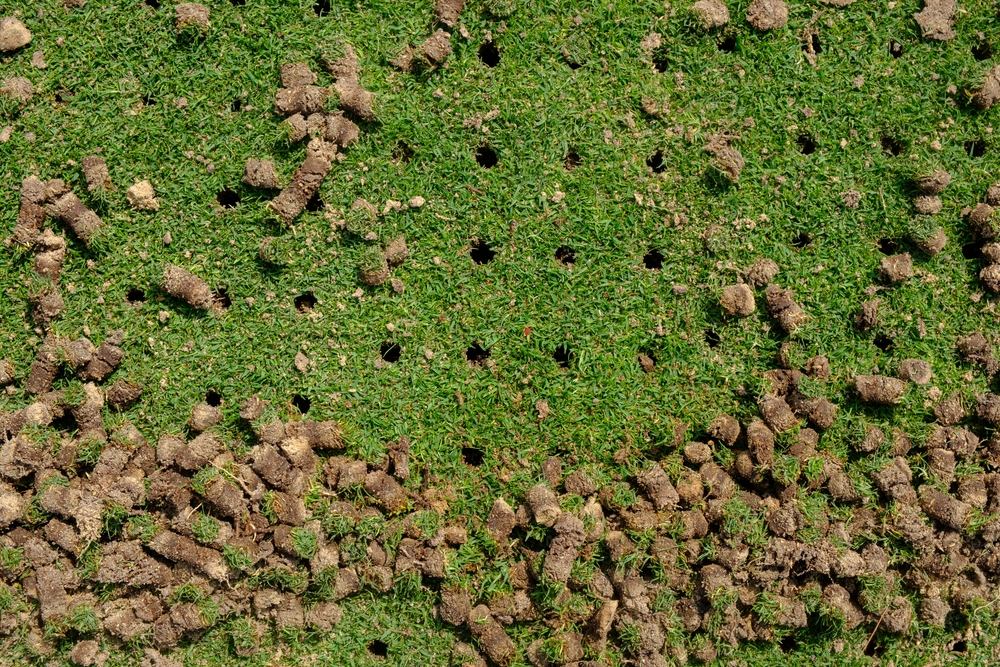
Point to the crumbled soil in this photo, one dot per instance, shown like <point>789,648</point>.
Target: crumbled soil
<point>867,318</point>
<point>782,306</point>
<point>993,195</point>
<point>303,100</point>
<point>18,88</point>
<point>981,222</point>
<point>989,93</point>
<point>937,19</point>
<point>896,268</point>
<point>297,75</point>
<point>261,174</point>
<point>355,99</point>
<point>143,197</point>
<point>95,172</point>
<point>761,272</point>
<point>711,13</point>
<point>435,49</point>
<point>305,182</point>
<point>13,34</point>
<point>917,371</point>
<point>727,159</point>
<point>927,204</point>
<point>934,183</point>
<point>396,251</point>
<point>69,209</point>
<point>737,300</point>
<point>767,14</point>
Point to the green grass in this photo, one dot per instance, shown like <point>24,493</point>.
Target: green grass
<point>111,86</point>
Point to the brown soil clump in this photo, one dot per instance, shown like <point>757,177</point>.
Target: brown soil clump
<point>305,100</point>
<point>192,15</point>
<point>340,130</point>
<point>305,181</point>
<point>981,222</point>
<point>993,194</point>
<point>95,172</point>
<point>448,11</point>
<point>435,49</point>
<point>204,417</point>
<point>989,93</point>
<point>347,65</point>
<point>123,394</point>
<point>52,253</point>
<point>937,19</point>
<point>18,88</point>
<point>782,306</point>
<point>184,285</point>
<point>896,268</point>
<point>491,636</point>
<point>711,13</point>
<point>69,209</point>
<point>851,199</point>
<point>917,371</point>
<point>990,277</point>
<point>767,14</point>
<point>933,184</point>
<point>13,34</point>
<point>927,204</point>
<point>724,429</point>
<point>727,159</point>
<point>297,75</point>
<point>738,301</point>
<point>6,372</point>
<point>867,318</point>
<point>143,197</point>
<point>260,174</point>
<point>396,252</point>
<point>933,244</point>
<point>32,212</point>
<point>879,389</point>
<point>355,99</point>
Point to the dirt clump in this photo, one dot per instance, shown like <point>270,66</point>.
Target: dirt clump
<point>204,417</point>
<point>186,286</point>
<point>69,209</point>
<point>6,372</point>
<point>711,13</point>
<point>32,213</point>
<point>927,204</point>
<point>896,268</point>
<point>981,222</point>
<point>989,93</point>
<point>340,130</point>
<point>52,253</point>
<point>990,277</point>
<point>737,300</point>
<point>933,184</point>
<point>123,394</point>
<point>993,194</point>
<point>937,19</point>
<point>355,99</point>
<point>142,196</point>
<point>727,159</point>
<point>917,371</point>
<point>931,244</point>
<point>782,306</point>
<point>818,367</point>
<point>304,100</point>
<point>297,75</point>
<point>396,251</point>
<point>491,636</point>
<point>192,15</point>
<point>725,429</point>
<point>95,172</point>
<point>879,389</point>
<point>13,34</point>
<point>434,50</point>
<point>18,88</point>
<point>943,508</point>
<point>767,15</point>
<point>306,181</point>
<point>448,11</point>
<point>501,521</point>
<point>260,174</point>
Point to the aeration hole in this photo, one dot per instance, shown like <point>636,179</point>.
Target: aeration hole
<point>883,342</point>
<point>895,49</point>
<point>807,144</point>
<point>486,157</point>
<point>222,298</point>
<point>712,338</point>
<point>402,152</point>
<point>888,246</point>
<point>561,355</point>
<point>322,7</point>
<point>482,253</point>
<point>802,240</point>
<point>472,456</point>
<point>390,352</point>
<point>565,255</point>
<point>972,251</point>
<point>571,161</point>
<point>653,259</point>
<point>489,54</point>
<point>892,145</point>
<point>135,296</point>
<point>656,162</point>
<point>476,354</point>
<point>301,403</point>
<point>982,51</point>
<point>227,198</point>
<point>727,44</point>
<point>213,398</point>
<point>314,204</point>
<point>975,148</point>
<point>378,648</point>
<point>305,302</point>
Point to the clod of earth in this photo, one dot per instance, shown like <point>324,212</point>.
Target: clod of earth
<point>917,371</point>
<point>993,194</point>
<point>981,221</point>
<point>260,174</point>
<point>782,306</point>
<point>933,184</point>
<point>933,243</point>
<point>305,182</point>
<point>192,15</point>
<point>396,252</point>
<point>927,204</point>
<point>727,159</point>
<point>95,172</point>
<point>297,75</point>
<point>737,300</point>
<point>767,14</point>
<point>879,389</point>
<point>69,209</point>
<point>143,197</point>
<point>989,93</point>
<point>435,49</point>
<point>711,13</point>
<point>305,100</point>
<point>937,19</point>
<point>761,272</point>
<point>18,88</point>
<point>13,34</point>
<point>896,268</point>
<point>354,98</point>
<point>188,287</point>
<point>448,11</point>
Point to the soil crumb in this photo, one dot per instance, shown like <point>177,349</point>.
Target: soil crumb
<point>435,49</point>
<point>896,268</point>
<point>879,389</point>
<point>143,197</point>
<point>989,93</point>
<point>13,34</point>
<point>711,13</point>
<point>937,19</point>
<point>738,301</point>
<point>761,272</point>
<point>933,184</point>
<point>95,172</point>
<point>727,159</point>
<point>18,88</point>
<point>927,204</point>
<point>782,306</point>
<point>767,14</point>
<point>851,199</point>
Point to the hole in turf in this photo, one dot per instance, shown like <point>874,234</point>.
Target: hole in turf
<point>476,354</point>
<point>237,105</point>
<point>148,100</point>
<point>661,64</point>
<point>135,296</point>
<point>486,157</point>
<point>314,204</point>
<point>873,649</point>
<point>63,96</point>
<point>807,145</point>
<point>227,198</point>
<point>727,44</point>
<point>817,47</point>
<point>712,338</point>
<point>789,644</point>
<point>802,240</point>
<point>301,403</point>
<point>982,51</point>
<point>561,355</point>
<point>892,145</point>
<point>155,4</point>
<point>238,3</point>
<point>472,456</point>
<point>222,298</point>
<point>489,54</point>
<point>565,255</point>
<point>378,648</point>
<point>213,398</point>
<point>883,342</point>
<point>975,148</point>
<point>322,7</point>
<point>960,646</point>
<point>402,153</point>
<point>895,49</point>
<point>647,361</point>
<point>653,259</point>
<point>390,352</point>
<point>305,302</point>
<point>888,246</point>
<point>573,65</point>
<point>482,253</point>
<point>972,251</point>
<point>656,162</point>
<point>571,161</point>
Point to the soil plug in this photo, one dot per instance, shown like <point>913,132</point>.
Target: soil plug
<point>85,223</point>
<point>448,11</point>
<point>767,15</point>
<point>305,181</point>
<point>879,389</point>
<point>711,13</point>
<point>781,303</point>
<point>373,269</point>
<point>260,174</point>
<point>188,287</point>
<point>95,172</point>
<point>192,16</point>
<point>13,34</point>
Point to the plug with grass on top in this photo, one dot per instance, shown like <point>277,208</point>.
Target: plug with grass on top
<point>373,269</point>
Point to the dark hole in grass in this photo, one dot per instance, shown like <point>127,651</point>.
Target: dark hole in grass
<point>213,398</point>
<point>656,162</point>
<point>482,253</point>
<point>227,198</point>
<point>727,44</point>
<point>661,64</point>
<point>65,424</point>
<point>975,148</point>
<point>573,65</point>
<point>892,145</point>
<point>148,100</point>
<point>237,3</point>
<point>653,259</point>
<point>63,96</point>
<point>378,648</point>
<point>571,161</point>
<point>322,7</point>
<point>817,47</point>
<point>982,51</point>
<point>562,355</point>
<point>960,646</point>
<point>895,48</point>
<point>135,296</point>
<point>222,298</point>
<point>476,354</point>
<point>712,338</point>
<point>807,145</point>
<point>402,152</point>
<point>155,4</point>
<point>489,54</point>
<point>472,456</point>
<point>565,254</point>
<point>237,105</point>
<point>972,251</point>
<point>883,342</point>
<point>314,204</point>
<point>873,649</point>
<point>301,403</point>
<point>305,302</point>
<point>390,352</point>
<point>486,157</point>
<point>789,644</point>
<point>802,240</point>
<point>888,246</point>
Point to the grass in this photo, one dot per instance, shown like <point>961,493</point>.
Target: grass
<point>111,85</point>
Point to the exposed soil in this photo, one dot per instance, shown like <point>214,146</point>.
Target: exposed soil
<point>13,34</point>
<point>192,15</point>
<point>448,11</point>
<point>711,13</point>
<point>186,286</point>
<point>260,174</point>
<point>767,14</point>
<point>937,19</point>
